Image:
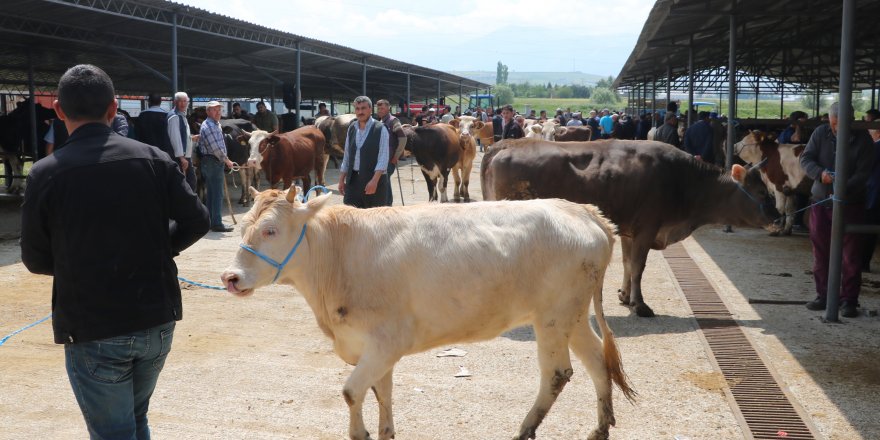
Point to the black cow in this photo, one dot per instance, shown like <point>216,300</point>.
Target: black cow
<point>437,150</point>
<point>15,140</point>
<point>655,193</point>
<point>237,150</point>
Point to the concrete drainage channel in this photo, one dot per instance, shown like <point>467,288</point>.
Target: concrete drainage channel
<point>763,408</point>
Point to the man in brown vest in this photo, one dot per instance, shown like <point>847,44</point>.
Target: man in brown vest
<point>396,141</point>
<point>362,179</point>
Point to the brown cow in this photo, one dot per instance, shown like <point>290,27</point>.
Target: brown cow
<point>655,193</point>
<point>437,150</point>
<point>288,156</point>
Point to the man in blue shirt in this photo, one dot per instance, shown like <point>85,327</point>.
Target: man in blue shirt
<point>606,124</point>
<point>212,148</point>
<point>698,139</point>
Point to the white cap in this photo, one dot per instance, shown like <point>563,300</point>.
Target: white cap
<point>214,104</point>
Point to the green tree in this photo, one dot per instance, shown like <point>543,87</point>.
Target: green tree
<point>565,92</point>
<point>605,82</point>
<point>604,96</point>
<point>501,74</point>
<point>503,94</point>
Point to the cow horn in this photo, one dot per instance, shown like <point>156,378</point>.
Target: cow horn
<point>291,193</point>
<point>274,132</point>
<point>246,132</point>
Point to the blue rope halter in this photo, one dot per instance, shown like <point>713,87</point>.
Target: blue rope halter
<point>302,234</point>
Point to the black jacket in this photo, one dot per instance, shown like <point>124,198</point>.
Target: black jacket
<point>152,129</point>
<point>96,217</point>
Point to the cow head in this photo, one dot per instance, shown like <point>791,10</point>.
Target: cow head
<point>552,129</point>
<point>258,141</point>
<point>534,131</point>
<point>468,128</point>
<point>272,227</point>
<point>751,203</point>
<point>749,148</point>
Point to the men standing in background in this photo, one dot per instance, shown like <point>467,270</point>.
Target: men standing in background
<point>212,150</point>
<point>181,140</point>
<point>396,140</point>
<point>698,139</point>
<point>265,119</point>
<point>152,125</point>
<point>362,178</point>
<point>668,132</point>
<point>818,161</point>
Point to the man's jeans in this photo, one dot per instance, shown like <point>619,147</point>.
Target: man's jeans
<point>212,172</point>
<point>114,378</point>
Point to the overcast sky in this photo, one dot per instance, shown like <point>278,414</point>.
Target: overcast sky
<point>591,36</point>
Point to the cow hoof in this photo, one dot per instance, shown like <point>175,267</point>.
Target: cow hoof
<point>643,311</point>
<point>598,434</point>
<point>623,297</point>
<point>774,233</point>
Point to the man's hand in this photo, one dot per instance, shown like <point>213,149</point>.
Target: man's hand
<point>827,177</point>
<point>229,163</point>
<point>698,157</point>
<point>196,137</point>
<point>184,164</point>
<point>371,186</point>
<point>341,186</point>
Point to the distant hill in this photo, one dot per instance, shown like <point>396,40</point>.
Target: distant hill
<point>562,78</point>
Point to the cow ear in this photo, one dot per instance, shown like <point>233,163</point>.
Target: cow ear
<point>454,123</point>
<point>560,131</point>
<point>771,137</point>
<point>273,139</point>
<point>253,191</point>
<point>738,172</point>
<point>478,125</point>
<point>316,204</point>
<point>536,128</point>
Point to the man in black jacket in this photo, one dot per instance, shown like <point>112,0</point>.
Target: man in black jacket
<point>115,296</point>
<point>152,125</point>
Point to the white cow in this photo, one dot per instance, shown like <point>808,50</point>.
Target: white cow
<point>385,283</point>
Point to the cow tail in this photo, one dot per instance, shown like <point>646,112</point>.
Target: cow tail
<point>613,363</point>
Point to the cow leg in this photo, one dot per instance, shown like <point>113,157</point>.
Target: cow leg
<point>371,369</point>
<point>588,348</point>
<point>556,371</point>
<point>466,180</point>
<point>638,258</point>
<point>382,390</point>
<point>441,184</point>
<point>780,199</point>
<point>456,192</point>
<point>16,166</point>
<point>243,200</point>
<point>626,250</point>
<point>432,185</point>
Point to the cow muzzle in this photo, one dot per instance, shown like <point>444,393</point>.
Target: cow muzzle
<point>232,279</point>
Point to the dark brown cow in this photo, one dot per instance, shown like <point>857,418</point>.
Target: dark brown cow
<point>335,130</point>
<point>655,193</point>
<point>437,150</point>
<point>574,134</point>
<point>288,156</point>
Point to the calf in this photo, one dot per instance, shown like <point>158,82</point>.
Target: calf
<point>237,151</point>
<point>437,150</point>
<point>288,156</point>
<point>377,313</point>
<point>467,127</point>
<point>780,170</point>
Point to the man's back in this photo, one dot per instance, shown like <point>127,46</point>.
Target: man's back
<point>112,264</point>
<point>152,129</point>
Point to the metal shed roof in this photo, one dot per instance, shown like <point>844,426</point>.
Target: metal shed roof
<point>218,56</point>
<point>790,44</point>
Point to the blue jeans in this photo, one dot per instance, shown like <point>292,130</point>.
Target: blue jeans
<point>114,378</point>
<point>212,172</point>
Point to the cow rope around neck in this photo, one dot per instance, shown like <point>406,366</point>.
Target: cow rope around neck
<point>302,234</point>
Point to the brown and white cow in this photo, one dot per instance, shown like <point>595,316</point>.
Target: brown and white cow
<point>780,170</point>
<point>552,131</point>
<point>288,156</point>
<point>377,313</point>
<point>437,149</point>
<point>655,193</point>
<point>467,127</point>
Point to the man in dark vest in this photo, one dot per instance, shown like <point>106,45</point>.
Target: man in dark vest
<point>152,125</point>
<point>396,140</point>
<point>362,179</point>
<point>181,139</point>
<point>509,128</point>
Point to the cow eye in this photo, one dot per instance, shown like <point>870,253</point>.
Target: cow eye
<point>269,232</point>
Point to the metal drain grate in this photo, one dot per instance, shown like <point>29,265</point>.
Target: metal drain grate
<point>763,408</point>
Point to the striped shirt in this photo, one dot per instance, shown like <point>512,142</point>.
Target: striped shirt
<point>360,138</point>
<point>211,140</point>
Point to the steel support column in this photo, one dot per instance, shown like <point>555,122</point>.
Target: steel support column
<point>731,93</point>
<point>690,118</point>
<point>653,100</point>
<point>668,83</point>
<point>408,97</point>
<point>438,94</point>
<point>174,88</point>
<point>460,106</point>
<point>32,105</point>
<point>298,85</point>
<point>841,173</point>
<point>364,77</point>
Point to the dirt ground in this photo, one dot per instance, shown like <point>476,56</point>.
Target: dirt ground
<point>259,368</point>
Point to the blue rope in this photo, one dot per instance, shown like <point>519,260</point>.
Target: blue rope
<point>6,338</point>
<point>323,188</point>
<point>200,284</point>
